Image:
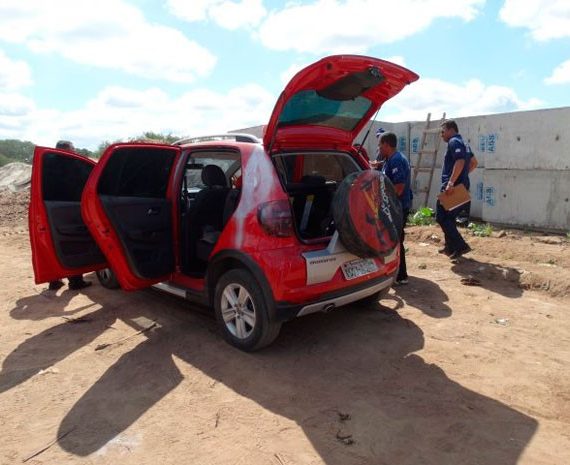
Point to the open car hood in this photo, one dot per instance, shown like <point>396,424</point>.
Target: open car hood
<point>327,104</point>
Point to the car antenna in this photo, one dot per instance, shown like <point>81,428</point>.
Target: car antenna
<point>361,145</point>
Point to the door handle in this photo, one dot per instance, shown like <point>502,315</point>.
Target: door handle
<point>153,211</point>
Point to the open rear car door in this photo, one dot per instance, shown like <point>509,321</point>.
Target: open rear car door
<point>128,206</point>
<point>61,243</point>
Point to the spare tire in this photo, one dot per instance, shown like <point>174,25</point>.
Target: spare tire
<point>367,214</point>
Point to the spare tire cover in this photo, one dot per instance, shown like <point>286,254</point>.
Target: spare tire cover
<point>368,214</point>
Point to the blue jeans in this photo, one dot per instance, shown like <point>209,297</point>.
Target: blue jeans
<point>454,242</point>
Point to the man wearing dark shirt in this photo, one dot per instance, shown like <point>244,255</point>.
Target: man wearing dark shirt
<point>455,171</point>
<point>397,169</point>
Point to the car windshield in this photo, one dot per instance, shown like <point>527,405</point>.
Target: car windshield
<point>308,107</point>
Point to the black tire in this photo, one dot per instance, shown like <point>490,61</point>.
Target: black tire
<point>107,278</point>
<point>254,334</point>
<point>373,299</point>
<point>367,214</point>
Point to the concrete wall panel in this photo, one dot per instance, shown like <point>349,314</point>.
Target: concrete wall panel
<point>527,198</point>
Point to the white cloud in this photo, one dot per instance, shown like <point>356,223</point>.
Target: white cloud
<point>546,19</point>
<point>108,34</point>
<point>120,113</point>
<point>436,96</point>
<point>227,14</point>
<point>14,105</point>
<point>353,26</point>
<point>288,74</point>
<point>14,74</point>
<point>560,75</point>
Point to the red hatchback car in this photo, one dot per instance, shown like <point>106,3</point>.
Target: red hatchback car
<point>262,231</point>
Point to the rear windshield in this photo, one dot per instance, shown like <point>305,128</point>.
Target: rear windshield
<point>308,107</point>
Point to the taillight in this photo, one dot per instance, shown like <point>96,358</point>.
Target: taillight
<point>275,218</point>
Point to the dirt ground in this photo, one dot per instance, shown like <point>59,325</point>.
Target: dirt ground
<point>439,373</point>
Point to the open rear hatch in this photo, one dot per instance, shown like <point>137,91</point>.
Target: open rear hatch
<point>327,104</point>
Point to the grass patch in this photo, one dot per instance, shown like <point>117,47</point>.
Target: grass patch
<point>480,230</point>
<point>422,217</point>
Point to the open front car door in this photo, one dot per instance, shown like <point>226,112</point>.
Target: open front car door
<point>61,243</point>
<point>128,207</point>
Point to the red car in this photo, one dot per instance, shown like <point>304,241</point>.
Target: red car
<point>262,231</point>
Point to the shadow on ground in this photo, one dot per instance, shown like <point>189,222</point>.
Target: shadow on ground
<point>495,278</point>
<point>425,295</point>
<point>352,362</point>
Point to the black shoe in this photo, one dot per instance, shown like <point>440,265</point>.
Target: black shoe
<point>55,285</point>
<point>79,285</point>
<point>445,251</point>
<point>459,253</point>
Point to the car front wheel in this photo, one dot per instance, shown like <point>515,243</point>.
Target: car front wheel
<point>243,313</point>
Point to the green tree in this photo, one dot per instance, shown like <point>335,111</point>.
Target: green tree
<point>4,160</point>
<point>17,150</point>
<point>157,136</point>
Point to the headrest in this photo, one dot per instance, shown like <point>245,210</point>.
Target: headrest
<point>313,180</point>
<point>212,175</point>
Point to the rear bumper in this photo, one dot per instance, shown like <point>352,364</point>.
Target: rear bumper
<point>285,311</point>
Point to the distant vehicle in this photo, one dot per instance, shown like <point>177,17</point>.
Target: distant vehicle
<point>263,231</point>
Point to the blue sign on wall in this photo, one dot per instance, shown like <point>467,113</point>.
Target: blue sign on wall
<point>491,142</point>
<point>415,144</point>
<point>479,194</point>
<point>490,196</point>
<point>482,143</point>
<point>402,144</point>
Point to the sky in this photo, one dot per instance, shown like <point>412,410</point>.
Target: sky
<point>94,71</point>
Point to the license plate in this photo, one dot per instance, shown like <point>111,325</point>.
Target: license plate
<point>357,268</point>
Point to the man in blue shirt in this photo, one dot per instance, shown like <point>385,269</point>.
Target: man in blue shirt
<point>455,170</point>
<point>397,169</point>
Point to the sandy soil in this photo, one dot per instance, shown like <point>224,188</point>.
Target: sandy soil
<point>439,373</point>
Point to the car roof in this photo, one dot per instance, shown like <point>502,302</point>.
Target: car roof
<point>215,138</point>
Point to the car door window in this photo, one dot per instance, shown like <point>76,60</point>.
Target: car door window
<point>63,177</point>
<point>137,172</point>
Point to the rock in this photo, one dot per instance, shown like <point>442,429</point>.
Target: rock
<point>15,176</point>
<point>499,234</point>
<point>550,240</point>
<point>511,275</point>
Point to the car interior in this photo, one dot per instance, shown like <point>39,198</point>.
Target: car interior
<point>211,188</point>
<point>311,180</point>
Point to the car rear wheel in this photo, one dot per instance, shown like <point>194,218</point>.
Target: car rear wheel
<point>242,311</point>
<point>107,278</point>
